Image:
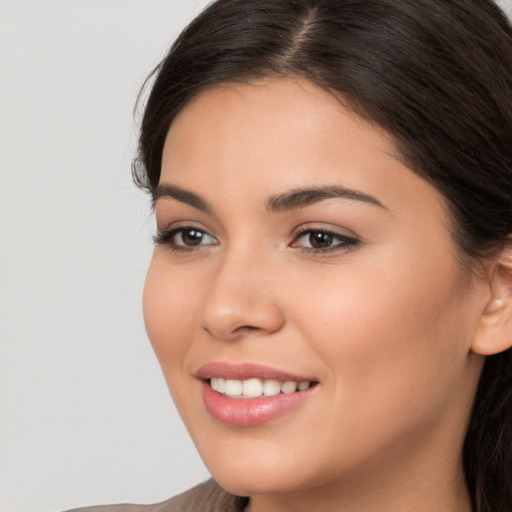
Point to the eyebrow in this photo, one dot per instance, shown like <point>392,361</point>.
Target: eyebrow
<point>294,199</point>
<point>184,196</point>
<point>304,197</point>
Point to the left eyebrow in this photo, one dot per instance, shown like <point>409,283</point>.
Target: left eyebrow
<point>183,196</point>
<point>299,198</point>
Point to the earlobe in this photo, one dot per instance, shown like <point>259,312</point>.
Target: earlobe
<point>494,334</point>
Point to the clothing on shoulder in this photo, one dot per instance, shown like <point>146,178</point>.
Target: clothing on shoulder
<point>205,497</point>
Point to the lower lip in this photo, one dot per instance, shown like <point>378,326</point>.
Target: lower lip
<point>248,412</point>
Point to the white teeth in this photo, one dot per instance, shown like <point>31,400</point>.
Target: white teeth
<point>233,387</point>
<point>289,386</point>
<point>218,384</point>
<point>271,387</point>
<point>252,388</point>
<point>304,385</point>
<point>255,388</point>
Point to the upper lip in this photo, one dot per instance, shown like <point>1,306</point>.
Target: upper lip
<point>244,371</point>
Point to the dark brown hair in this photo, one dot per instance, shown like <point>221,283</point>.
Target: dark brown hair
<point>436,75</point>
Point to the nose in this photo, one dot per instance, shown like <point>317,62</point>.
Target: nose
<point>242,300</point>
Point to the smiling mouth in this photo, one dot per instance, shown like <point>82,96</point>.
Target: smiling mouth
<point>256,388</point>
<point>247,395</point>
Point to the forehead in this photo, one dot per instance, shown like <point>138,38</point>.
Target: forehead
<point>276,135</point>
<point>241,120</point>
<point>292,107</point>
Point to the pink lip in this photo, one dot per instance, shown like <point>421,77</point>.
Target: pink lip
<point>243,371</point>
<point>246,412</point>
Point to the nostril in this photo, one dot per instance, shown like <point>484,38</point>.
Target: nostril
<point>247,328</point>
<point>234,333</point>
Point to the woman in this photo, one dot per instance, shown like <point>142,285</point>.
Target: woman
<point>330,296</point>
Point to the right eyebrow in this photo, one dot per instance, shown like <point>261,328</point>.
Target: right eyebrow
<point>300,198</point>
<point>183,196</point>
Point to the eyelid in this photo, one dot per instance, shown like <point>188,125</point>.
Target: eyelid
<point>165,236</point>
<point>180,224</point>
<point>345,241</point>
<point>340,241</point>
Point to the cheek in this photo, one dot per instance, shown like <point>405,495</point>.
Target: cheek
<point>170,305</point>
<point>391,338</point>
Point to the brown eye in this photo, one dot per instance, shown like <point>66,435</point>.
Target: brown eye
<point>184,239</point>
<point>317,240</point>
<point>320,240</point>
<point>190,237</point>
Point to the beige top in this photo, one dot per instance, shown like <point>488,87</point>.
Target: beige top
<point>205,497</point>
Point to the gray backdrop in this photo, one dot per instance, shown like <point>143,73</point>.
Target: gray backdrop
<point>85,413</point>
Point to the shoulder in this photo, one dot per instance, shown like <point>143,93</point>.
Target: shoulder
<point>205,497</point>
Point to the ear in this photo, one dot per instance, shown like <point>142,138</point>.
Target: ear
<point>494,333</point>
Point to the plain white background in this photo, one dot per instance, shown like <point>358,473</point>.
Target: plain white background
<point>86,417</point>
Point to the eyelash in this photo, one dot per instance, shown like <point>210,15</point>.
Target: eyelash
<point>166,238</point>
<point>344,242</point>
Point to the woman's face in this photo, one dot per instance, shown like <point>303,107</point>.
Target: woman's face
<point>294,246</point>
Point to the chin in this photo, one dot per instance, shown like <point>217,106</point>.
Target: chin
<point>251,480</point>
<point>258,466</point>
